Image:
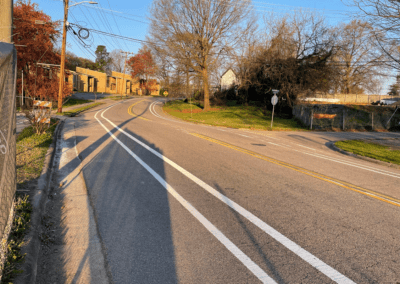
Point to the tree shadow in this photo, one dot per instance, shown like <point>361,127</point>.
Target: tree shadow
<point>253,240</point>
<point>131,221</point>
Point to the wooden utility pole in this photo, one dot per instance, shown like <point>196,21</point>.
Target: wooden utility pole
<point>62,65</point>
<point>126,57</point>
<point>6,20</point>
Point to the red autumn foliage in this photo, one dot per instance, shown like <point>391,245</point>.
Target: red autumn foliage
<point>36,44</point>
<point>143,68</point>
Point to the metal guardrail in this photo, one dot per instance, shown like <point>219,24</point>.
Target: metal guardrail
<point>8,68</point>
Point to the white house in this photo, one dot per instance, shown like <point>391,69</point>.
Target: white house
<point>228,79</point>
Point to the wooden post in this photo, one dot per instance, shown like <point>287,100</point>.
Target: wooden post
<point>62,65</point>
<point>312,118</point>
<point>6,21</point>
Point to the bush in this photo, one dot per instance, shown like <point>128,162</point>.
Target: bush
<point>231,103</point>
<point>198,95</point>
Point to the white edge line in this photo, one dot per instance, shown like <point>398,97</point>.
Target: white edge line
<point>348,163</point>
<point>306,147</point>
<point>242,257</point>
<point>289,244</point>
<point>243,135</point>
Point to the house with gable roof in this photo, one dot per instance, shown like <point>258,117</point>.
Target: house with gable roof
<point>228,79</point>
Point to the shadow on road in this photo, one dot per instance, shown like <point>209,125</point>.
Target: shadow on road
<point>272,270</point>
<point>132,216</point>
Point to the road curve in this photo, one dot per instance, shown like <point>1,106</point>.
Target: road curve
<point>177,202</point>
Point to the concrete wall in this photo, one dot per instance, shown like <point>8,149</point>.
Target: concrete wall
<point>327,117</point>
<point>351,98</point>
<point>91,81</point>
<point>87,80</point>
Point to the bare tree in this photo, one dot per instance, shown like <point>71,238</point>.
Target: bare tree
<point>293,58</point>
<point>117,60</point>
<point>358,57</point>
<point>194,33</point>
<point>384,16</point>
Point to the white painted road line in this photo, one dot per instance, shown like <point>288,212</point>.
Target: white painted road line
<point>317,155</point>
<point>343,161</point>
<point>306,147</point>
<point>289,244</point>
<point>243,135</point>
<point>253,267</point>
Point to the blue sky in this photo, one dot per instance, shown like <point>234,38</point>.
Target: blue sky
<point>129,19</point>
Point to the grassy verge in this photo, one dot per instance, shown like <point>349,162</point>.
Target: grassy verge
<point>250,117</point>
<point>74,102</point>
<point>117,98</point>
<point>31,152</point>
<point>371,150</point>
<point>20,224</point>
<point>76,111</point>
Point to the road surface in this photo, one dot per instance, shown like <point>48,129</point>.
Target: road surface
<point>177,202</point>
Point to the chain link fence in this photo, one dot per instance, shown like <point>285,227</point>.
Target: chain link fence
<point>346,117</point>
<point>8,67</point>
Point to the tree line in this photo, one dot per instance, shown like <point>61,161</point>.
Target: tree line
<point>36,37</point>
<point>195,41</point>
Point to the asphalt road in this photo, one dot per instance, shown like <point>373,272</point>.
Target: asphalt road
<point>183,203</point>
<point>22,122</point>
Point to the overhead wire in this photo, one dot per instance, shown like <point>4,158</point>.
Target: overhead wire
<point>115,36</point>
<point>107,23</point>
<point>116,24</point>
<point>332,63</point>
<point>105,39</point>
<point>84,50</point>
<point>115,44</point>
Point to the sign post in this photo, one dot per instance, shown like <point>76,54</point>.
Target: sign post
<point>274,101</point>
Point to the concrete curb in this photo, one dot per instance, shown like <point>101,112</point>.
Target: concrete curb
<point>333,147</point>
<point>32,242</point>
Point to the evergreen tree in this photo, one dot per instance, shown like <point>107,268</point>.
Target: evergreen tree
<point>103,59</point>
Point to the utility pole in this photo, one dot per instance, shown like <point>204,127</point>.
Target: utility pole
<point>6,20</point>
<point>62,65</point>
<point>64,42</point>
<point>126,57</point>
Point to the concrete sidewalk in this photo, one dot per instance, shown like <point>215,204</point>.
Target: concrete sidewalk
<point>77,249</point>
<point>65,227</point>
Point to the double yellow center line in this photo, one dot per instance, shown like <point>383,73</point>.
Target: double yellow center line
<point>370,193</point>
<point>130,111</point>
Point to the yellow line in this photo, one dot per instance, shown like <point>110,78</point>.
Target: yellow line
<point>370,193</point>
<point>135,115</point>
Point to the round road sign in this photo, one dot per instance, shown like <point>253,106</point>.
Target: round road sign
<point>274,100</point>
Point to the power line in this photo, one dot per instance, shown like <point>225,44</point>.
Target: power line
<point>112,42</point>
<point>116,23</point>
<point>107,25</point>
<point>86,51</point>
<point>105,39</point>
<point>117,45</point>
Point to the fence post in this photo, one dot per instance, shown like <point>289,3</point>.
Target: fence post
<point>312,118</point>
